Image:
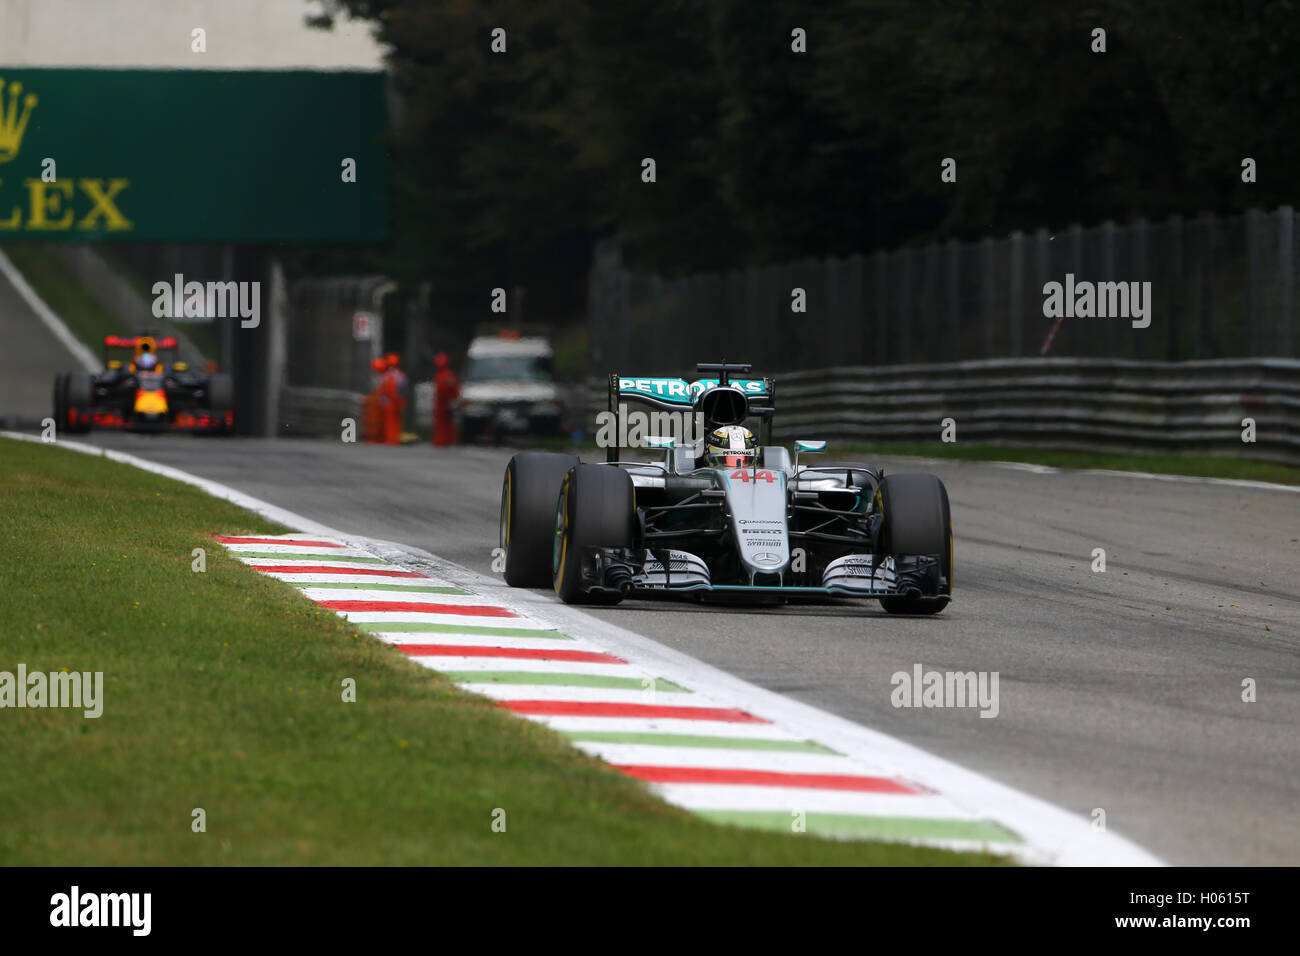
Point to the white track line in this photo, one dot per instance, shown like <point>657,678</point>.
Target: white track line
<point>652,755</point>
<point>300,579</point>
<point>332,561</point>
<point>326,595</point>
<point>429,617</point>
<point>475,640</point>
<point>366,594</point>
<point>328,554</point>
<point>614,695</point>
<point>669,725</point>
<point>699,796</point>
<point>49,318</point>
<point>584,668</point>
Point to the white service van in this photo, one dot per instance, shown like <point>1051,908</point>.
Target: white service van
<point>508,389</point>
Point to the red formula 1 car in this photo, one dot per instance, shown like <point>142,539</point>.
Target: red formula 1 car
<point>143,388</point>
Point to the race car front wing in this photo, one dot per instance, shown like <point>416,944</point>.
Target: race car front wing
<point>632,570</point>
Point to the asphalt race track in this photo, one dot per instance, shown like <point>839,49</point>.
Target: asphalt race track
<point>1118,690</point>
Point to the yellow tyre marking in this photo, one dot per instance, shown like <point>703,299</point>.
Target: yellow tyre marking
<point>564,535</point>
<point>509,509</point>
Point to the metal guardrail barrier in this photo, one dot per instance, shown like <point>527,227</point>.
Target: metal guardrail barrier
<point>1218,287</point>
<point>1082,404</point>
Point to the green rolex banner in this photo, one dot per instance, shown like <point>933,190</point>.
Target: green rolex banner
<point>192,156</point>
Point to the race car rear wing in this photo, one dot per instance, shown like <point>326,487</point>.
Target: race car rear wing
<point>679,394</point>
<point>130,342</point>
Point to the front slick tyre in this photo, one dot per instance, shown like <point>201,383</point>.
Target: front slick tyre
<point>917,523</point>
<point>78,395</point>
<point>61,401</point>
<point>528,494</point>
<point>596,508</point>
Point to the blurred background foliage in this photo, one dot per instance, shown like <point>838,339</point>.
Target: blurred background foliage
<point>508,167</point>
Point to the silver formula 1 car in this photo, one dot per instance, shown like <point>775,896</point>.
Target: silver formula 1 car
<point>776,529</point>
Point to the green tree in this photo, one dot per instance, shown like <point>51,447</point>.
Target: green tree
<point>508,167</point>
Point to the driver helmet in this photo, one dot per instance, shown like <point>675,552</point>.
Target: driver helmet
<point>146,361</point>
<point>731,446</point>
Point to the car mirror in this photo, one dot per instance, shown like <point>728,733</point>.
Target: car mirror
<point>806,447</point>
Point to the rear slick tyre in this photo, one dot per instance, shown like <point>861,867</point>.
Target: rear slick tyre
<point>527,528</point>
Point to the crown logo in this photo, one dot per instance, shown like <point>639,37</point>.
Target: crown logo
<point>12,122</point>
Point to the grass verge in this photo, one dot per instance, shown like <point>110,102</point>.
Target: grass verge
<point>222,691</point>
